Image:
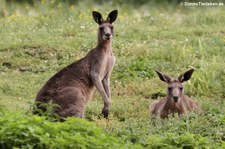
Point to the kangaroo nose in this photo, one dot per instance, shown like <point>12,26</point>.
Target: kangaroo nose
<point>107,34</point>
<point>175,98</point>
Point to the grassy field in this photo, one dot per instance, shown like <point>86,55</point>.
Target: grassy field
<point>37,41</point>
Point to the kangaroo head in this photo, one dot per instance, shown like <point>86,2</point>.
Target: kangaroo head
<point>105,31</point>
<point>175,86</point>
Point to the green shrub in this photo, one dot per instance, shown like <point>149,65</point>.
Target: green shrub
<point>175,141</point>
<point>21,131</point>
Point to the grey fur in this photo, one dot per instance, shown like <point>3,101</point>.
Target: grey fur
<point>73,86</point>
<point>175,101</point>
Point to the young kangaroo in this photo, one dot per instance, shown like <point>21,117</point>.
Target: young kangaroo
<point>175,101</point>
<point>73,86</point>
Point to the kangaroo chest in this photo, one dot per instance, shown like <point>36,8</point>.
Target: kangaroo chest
<point>172,107</point>
<point>107,64</point>
<point>110,61</point>
<point>102,63</point>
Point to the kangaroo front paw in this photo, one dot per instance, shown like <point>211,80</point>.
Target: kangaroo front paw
<point>105,113</point>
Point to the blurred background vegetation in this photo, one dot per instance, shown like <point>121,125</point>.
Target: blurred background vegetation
<point>32,2</point>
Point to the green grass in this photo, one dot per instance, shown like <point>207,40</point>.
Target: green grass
<point>37,41</point>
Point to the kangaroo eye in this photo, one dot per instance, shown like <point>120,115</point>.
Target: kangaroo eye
<point>181,88</point>
<point>101,28</point>
<point>111,27</point>
<point>169,89</point>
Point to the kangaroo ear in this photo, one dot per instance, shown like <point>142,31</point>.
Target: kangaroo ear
<point>186,76</point>
<point>163,77</point>
<point>97,17</point>
<point>112,16</point>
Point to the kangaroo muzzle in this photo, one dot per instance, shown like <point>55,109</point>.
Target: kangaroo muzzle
<point>175,98</point>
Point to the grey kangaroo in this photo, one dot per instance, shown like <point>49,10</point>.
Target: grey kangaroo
<point>73,86</point>
<point>175,101</point>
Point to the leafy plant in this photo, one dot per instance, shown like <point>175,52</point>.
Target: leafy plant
<point>45,109</point>
<point>21,131</point>
<point>176,141</point>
